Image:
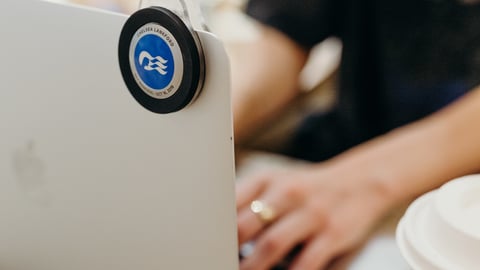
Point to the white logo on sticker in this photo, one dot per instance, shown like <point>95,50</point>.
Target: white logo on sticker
<point>154,63</point>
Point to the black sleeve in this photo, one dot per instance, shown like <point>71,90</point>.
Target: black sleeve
<point>308,22</point>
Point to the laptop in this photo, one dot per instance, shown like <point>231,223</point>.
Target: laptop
<point>89,178</point>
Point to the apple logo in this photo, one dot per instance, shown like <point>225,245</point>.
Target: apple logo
<point>30,174</point>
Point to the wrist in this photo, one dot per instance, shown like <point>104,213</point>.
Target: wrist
<point>376,179</point>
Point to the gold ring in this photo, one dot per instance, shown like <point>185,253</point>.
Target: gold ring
<point>264,212</point>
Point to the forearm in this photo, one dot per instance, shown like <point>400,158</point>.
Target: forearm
<point>265,77</point>
<point>421,156</point>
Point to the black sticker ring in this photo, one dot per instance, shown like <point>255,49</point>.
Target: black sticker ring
<point>161,60</point>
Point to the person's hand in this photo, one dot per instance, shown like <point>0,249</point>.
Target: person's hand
<point>327,210</point>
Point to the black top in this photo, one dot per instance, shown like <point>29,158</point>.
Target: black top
<point>401,61</point>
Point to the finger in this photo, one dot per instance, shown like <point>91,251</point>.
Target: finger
<point>250,224</point>
<point>249,190</point>
<point>317,253</point>
<point>279,239</point>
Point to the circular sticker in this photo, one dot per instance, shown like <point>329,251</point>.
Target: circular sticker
<point>156,61</point>
<point>161,60</point>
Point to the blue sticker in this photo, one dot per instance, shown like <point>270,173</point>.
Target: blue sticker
<point>154,62</point>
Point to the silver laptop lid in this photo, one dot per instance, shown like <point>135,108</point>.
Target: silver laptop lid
<point>90,179</point>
